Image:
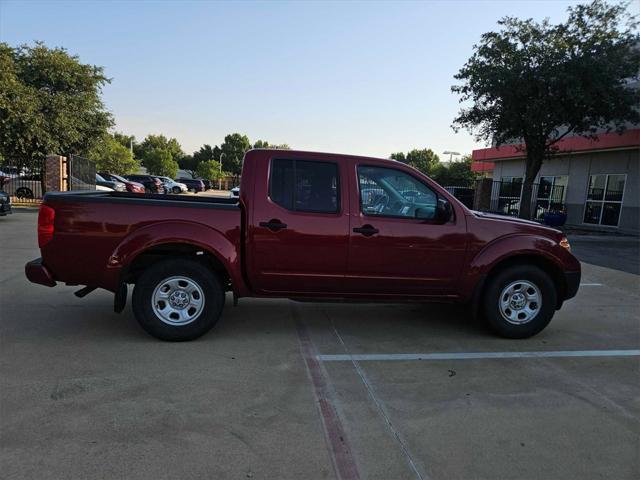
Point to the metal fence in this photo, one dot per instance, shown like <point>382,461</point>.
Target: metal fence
<point>464,194</point>
<point>81,173</point>
<point>506,196</point>
<point>23,181</point>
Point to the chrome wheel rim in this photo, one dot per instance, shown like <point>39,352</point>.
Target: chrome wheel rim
<point>177,300</point>
<point>520,302</point>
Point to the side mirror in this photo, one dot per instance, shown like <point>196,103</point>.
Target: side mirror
<point>444,211</point>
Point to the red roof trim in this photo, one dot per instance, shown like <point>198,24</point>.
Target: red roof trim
<point>605,141</point>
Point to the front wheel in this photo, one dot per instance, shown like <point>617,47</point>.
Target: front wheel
<point>520,301</point>
<point>178,300</point>
<point>176,190</point>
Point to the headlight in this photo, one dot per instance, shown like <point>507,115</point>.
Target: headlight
<point>564,243</point>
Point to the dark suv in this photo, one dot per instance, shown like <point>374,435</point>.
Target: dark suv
<point>151,184</point>
<point>194,185</point>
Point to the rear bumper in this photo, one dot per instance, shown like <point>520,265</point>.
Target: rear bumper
<point>36,272</point>
<point>572,280</point>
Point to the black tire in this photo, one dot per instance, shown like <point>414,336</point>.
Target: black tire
<point>24,192</point>
<point>176,190</point>
<point>545,311</point>
<point>153,276</point>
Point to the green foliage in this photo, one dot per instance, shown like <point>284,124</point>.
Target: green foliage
<point>209,170</point>
<point>454,174</point>
<point>125,140</point>
<point>159,161</point>
<point>111,156</point>
<point>49,103</point>
<point>190,164</point>
<point>399,157</point>
<point>535,82</point>
<point>265,144</point>
<point>421,159</point>
<point>232,150</point>
<point>158,142</point>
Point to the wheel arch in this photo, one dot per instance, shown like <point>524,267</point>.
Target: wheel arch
<point>545,264</point>
<point>177,239</point>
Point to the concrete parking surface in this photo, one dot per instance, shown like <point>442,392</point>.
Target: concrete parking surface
<point>309,391</point>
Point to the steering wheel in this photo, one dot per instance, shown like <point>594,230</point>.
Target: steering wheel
<point>380,203</point>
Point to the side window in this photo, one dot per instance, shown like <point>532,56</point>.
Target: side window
<point>305,186</point>
<point>392,193</point>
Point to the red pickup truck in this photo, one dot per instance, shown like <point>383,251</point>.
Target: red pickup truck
<point>306,226</point>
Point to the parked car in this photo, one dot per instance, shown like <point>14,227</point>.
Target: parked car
<point>235,192</point>
<point>5,204</point>
<point>111,184</point>
<point>171,186</point>
<point>194,185</point>
<point>302,229</point>
<point>24,187</point>
<point>131,186</point>
<point>151,183</point>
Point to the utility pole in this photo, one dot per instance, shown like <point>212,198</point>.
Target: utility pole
<point>220,176</point>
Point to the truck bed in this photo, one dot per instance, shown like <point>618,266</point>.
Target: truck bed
<point>98,234</point>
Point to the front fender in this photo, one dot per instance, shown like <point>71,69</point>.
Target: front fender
<point>201,236</point>
<point>512,246</point>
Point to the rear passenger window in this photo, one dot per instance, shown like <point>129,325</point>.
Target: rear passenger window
<point>305,186</point>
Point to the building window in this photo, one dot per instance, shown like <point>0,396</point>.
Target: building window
<point>509,193</point>
<point>551,194</point>
<point>604,199</point>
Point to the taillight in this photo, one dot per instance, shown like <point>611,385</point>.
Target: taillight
<point>46,215</point>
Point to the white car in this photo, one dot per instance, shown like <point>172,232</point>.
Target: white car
<point>172,186</point>
<point>235,192</point>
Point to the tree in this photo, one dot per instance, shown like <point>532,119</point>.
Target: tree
<point>535,83</point>
<point>190,164</point>
<point>111,156</point>
<point>209,170</point>
<point>233,149</point>
<point>399,157</point>
<point>455,174</point>
<point>158,142</point>
<point>159,161</point>
<point>265,144</point>
<point>126,141</point>
<point>421,159</point>
<point>50,102</point>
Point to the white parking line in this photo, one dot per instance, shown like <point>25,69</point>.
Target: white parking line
<point>591,284</point>
<point>381,357</point>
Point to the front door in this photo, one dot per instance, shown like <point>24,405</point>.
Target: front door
<point>397,247</point>
<point>299,233</point>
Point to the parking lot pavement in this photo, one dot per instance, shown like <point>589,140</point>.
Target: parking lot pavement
<point>619,253</point>
<point>281,389</point>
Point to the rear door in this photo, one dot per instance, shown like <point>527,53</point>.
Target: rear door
<point>299,230</point>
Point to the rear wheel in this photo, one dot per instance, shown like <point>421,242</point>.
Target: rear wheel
<point>24,192</point>
<point>520,301</point>
<point>178,300</point>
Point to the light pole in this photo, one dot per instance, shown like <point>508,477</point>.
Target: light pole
<point>220,176</point>
<point>451,154</point>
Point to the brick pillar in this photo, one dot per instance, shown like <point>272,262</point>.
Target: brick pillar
<point>54,173</point>
<point>482,196</point>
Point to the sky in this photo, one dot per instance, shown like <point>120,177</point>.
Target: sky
<point>367,78</point>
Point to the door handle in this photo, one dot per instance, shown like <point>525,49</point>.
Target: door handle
<point>366,230</point>
<point>274,225</point>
